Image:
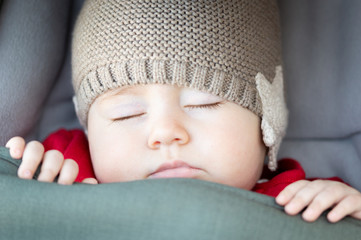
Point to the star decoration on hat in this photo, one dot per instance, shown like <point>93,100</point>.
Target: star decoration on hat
<point>274,113</point>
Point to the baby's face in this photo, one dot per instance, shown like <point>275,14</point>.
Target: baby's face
<point>162,131</point>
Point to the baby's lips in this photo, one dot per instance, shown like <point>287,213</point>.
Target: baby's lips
<point>175,169</point>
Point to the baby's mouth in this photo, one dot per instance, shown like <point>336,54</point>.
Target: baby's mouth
<point>176,169</point>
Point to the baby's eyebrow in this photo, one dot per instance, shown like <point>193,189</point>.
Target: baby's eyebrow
<point>113,96</point>
<point>124,90</point>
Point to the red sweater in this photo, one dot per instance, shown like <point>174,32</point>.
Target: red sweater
<point>74,145</point>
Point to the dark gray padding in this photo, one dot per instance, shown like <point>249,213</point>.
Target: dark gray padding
<point>322,59</point>
<point>58,111</point>
<point>32,45</point>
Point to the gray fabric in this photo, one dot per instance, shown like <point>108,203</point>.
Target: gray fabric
<point>322,56</point>
<point>153,209</point>
<point>58,111</point>
<point>150,209</point>
<point>32,46</point>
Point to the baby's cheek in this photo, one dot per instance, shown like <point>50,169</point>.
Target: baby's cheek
<point>245,177</point>
<point>100,169</point>
<point>119,166</point>
<point>226,166</point>
<point>103,162</point>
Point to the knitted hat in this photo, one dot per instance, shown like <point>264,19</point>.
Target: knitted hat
<point>230,48</point>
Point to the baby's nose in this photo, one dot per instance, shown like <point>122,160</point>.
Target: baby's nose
<point>168,132</point>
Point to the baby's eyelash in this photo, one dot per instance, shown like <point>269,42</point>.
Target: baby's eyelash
<point>201,106</point>
<point>209,106</point>
<point>127,117</point>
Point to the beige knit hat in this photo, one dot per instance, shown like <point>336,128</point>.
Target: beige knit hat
<point>230,48</point>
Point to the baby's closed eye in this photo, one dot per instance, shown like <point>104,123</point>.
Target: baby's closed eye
<point>121,112</point>
<point>205,106</point>
<point>128,117</point>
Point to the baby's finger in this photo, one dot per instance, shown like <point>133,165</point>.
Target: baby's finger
<point>290,191</point>
<point>33,154</point>
<point>90,181</point>
<point>303,197</point>
<point>325,199</point>
<point>52,163</point>
<point>350,205</point>
<point>69,172</point>
<point>16,146</point>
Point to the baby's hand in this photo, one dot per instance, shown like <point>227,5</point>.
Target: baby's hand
<point>53,162</point>
<point>317,196</point>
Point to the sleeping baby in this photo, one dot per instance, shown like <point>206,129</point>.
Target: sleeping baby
<point>181,89</point>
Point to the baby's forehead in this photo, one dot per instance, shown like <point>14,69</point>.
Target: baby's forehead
<point>139,90</point>
<point>123,90</point>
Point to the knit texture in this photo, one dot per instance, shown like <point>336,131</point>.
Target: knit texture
<point>274,114</point>
<point>214,46</point>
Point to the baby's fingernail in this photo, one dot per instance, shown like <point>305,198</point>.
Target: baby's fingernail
<point>292,208</point>
<point>27,174</point>
<point>309,215</point>
<point>16,153</point>
<point>333,217</point>
<point>280,199</point>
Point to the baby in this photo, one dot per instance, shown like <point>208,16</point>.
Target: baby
<point>182,89</point>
